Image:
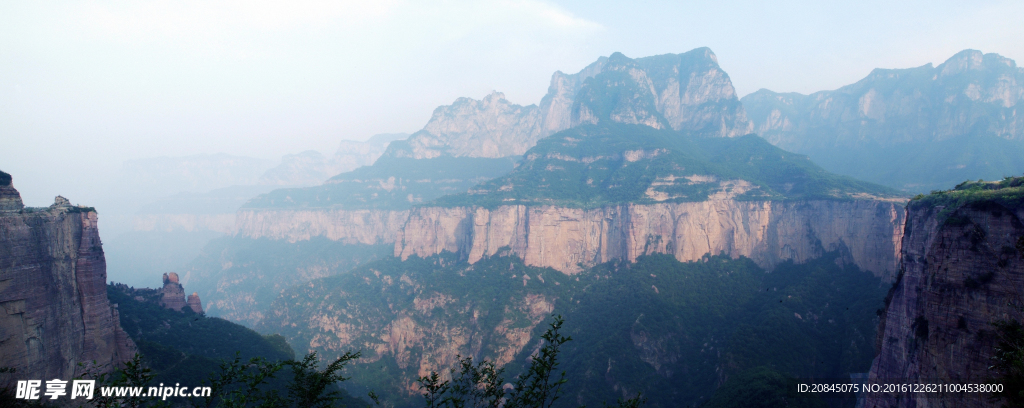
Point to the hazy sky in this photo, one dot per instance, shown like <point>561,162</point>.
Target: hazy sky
<point>87,85</point>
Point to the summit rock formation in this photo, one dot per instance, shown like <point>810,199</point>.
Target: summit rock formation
<point>54,312</point>
<point>172,295</point>
<point>687,91</point>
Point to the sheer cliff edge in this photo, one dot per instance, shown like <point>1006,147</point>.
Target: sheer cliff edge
<point>54,312</point>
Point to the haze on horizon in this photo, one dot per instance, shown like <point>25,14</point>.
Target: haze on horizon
<point>85,86</point>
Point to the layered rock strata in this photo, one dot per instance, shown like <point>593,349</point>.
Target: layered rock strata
<point>570,239</point>
<point>960,274</point>
<point>54,312</point>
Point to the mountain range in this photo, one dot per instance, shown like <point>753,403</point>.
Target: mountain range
<point>691,248</point>
<point>915,129</point>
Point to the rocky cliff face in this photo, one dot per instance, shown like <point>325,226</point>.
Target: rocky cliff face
<point>961,272</point>
<point>491,127</point>
<point>54,311</point>
<point>570,239</point>
<point>908,128</point>
<point>687,92</point>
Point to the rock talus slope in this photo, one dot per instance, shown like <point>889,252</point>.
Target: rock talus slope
<point>54,312</point>
<point>570,239</point>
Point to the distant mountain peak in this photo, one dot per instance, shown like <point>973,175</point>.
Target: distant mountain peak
<point>959,120</point>
<point>687,91</point>
<point>973,60</point>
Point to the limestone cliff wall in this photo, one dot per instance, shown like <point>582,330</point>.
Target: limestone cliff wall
<point>569,239</point>
<point>54,311</point>
<point>350,226</point>
<point>958,278</point>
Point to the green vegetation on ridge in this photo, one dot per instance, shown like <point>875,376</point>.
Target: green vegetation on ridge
<point>1008,192</point>
<point>593,165</point>
<point>179,345</point>
<point>389,184</point>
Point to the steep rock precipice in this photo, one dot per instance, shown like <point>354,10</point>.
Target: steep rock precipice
<point>570,239</point>
<point>54,311</point>
<point>687,92</point>
<point>172,294</point>
<point>963,269</point>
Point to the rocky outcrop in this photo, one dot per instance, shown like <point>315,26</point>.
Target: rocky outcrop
<point>349,226</point>
<point>570,239</point>
<point>10,199</point>
<point>169,296</point>
<point>961,273</point>
<point>556,106</point>
<point>491,127</point>
<point>687,92</point>
<point>194,303</point>
<point>54,312</point>
<point>172,295</point>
